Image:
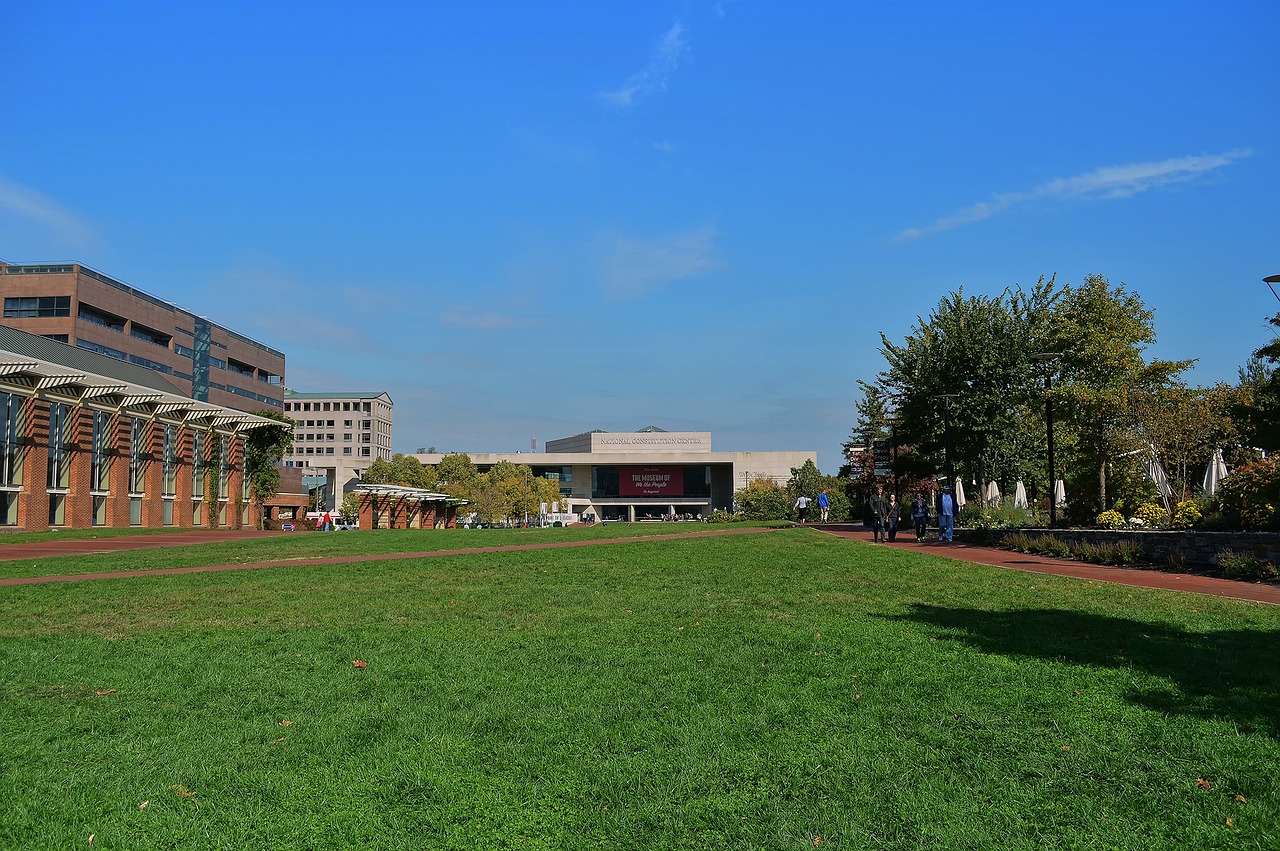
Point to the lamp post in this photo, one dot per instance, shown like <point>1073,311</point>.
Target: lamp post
<point>1047,358</point>
<point>1271,281</point>
<point>946,425</point>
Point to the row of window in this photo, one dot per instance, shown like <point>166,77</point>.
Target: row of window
<point>346,406</point>
<point>365,451</point>
<point>364,424</point>
<point>37,307</point>
<point>58,467</point>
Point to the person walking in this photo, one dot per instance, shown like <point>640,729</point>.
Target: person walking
<point>920,515</point>
<point>824,505</point>
<point>946,514</point>
<point>876,507</point>
<point>892,512</point>
<point>802,506</point>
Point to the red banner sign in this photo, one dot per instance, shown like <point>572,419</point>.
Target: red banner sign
<point>651,481</point>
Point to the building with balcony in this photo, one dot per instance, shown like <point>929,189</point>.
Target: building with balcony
<point>200,359</point>
<point>336,437</point>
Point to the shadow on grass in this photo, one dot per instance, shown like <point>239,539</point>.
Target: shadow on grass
<point>1229,675</point>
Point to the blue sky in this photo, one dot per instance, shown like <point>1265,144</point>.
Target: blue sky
<point>527,220</point>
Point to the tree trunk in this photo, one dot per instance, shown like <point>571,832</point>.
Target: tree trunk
<point>1102,486</point>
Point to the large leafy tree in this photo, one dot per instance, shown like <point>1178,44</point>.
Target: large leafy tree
<point>1102,332</point>
<point>977,348</point>
<point>1186,425</point>
<point>1259,409</point>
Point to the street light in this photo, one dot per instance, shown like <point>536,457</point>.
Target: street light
<point>1046,358</point>
<point>946,425</point>
<point>1271,281</point>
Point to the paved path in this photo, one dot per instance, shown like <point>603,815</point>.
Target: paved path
<point>1257,592</point>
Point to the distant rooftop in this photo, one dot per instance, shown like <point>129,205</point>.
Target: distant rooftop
<point>337,394</point>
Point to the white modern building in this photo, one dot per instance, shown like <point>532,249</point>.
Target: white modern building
<point>645,474</point>
<point>336,437</point>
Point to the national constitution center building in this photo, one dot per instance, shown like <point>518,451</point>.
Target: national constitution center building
<point>645,474</point>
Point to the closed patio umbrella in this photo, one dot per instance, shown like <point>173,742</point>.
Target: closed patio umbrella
<point>993,494</point>
<point>959,493</point>
<point>1216,473</point>
<point>1155,472</point>
<point>1020,495</point>
<point>1059,493</point>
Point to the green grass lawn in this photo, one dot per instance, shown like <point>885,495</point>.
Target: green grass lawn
<point>776,690</point>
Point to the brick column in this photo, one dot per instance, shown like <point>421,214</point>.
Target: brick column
<point>33,504</point>
<point>79,508</point>
<point>428,516</point>
<point>366,510</point>
<point>451,517</point>
<point>182,488</point>
<point>117,447</point>
<point>153,474</point>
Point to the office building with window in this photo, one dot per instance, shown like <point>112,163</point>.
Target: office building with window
<point>201,360</point>
<point>646,474</point>
<point>90,440</point>
<point>337,436</point>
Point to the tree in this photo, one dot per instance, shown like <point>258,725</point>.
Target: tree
<point>979,349</point>
<point>763,499</point>
<point>349,511</point>
<point>1186,425</point>
<point>1258,411</point>
<point>264,448</point>
<point>1101,333</point>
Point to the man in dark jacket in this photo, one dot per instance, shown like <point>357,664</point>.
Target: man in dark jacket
<point>876,506</point>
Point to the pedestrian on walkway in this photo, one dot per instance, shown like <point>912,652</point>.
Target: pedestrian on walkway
<point>892,513</point>
<point>802,506</point>
<point>824,505</point>
<point>946,514</point>
<point>920,515</point>
<point>876,507</point>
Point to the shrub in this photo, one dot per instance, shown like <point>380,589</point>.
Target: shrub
<point>722,516</point>
<point>1051,546</point>
<point>1019,542</point>
<point>1252,493</point>
<point>1151,514</point>
<point>1186,514</point>
<point>1246,566</point>
<point>1110,519</point>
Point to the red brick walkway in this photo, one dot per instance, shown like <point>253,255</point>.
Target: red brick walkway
<point>1258,592</point>
<point>1261,593</point>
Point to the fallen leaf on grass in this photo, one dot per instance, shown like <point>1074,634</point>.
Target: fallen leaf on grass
<point>285,723</point>
<point>105,692</point>
<point>91,837</point>
<point>1230,823</point>
<point>1201,783</point>
<point>817,840</point>
<point>1239,799</point>
<point>359,663</point>
<point>143,805</point>
<point>277,741</point>
<point>183,791</point>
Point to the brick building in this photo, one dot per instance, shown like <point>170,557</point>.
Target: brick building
<point>202,360</point>
<point>90,440</point>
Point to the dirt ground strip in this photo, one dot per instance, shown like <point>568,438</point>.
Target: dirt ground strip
<point>1260,593</point>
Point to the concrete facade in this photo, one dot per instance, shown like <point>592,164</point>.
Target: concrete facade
<point>337,436</point>
<point>645,475</point>
<point>81,307</point>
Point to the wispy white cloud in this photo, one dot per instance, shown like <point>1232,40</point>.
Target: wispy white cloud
<point>653,77</point>
<point>44,211</point>
<point>665,147</point>
<point>1110,182</point>
<point>632,268</point>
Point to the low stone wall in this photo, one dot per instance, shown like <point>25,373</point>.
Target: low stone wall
<point>1191,546</point>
